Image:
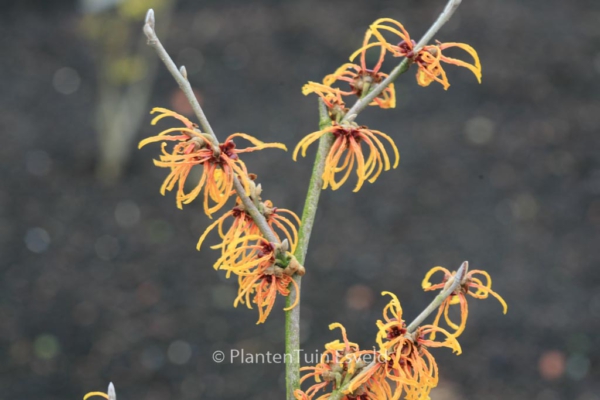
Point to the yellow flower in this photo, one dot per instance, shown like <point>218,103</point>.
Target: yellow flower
<point>359,78</point>
<point>410,363</point>
<point>254,260</point>
<point>429,59</point>
<point>347,151</point>
<point>332,97</point>
<point>244,226</point>
<point>469,281</point>
<point>401,49</point>
<point>265,283</point>
<point>341,361</point>
<point>219,163</point>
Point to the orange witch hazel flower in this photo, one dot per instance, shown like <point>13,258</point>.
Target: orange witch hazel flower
<point>470,285</point>
<point>428,59</point>
<point>409,360</point>
<point>341,361</point>
<point>347,151</point>
<point>242,225</point>
<point>220,162</point>
<point>265,283</point>
<point>360,79</point>
<point>264,270</point>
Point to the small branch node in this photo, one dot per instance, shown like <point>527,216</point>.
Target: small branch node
<point>149,32</point>
<point>183,72</point>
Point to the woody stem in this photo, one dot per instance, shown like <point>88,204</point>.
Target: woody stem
<point>186,87</point>
<point>292,317</point>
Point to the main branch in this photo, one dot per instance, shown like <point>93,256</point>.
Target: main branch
<point>292,317</point>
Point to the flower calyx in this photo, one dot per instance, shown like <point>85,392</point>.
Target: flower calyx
<point>285,262</point>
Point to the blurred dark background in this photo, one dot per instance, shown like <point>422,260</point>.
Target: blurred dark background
<point>100,279</point>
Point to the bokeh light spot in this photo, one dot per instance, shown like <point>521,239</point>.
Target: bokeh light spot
<point>46,346</point>
<point>107,247</point>
<point>38,162</point>
<point>37,240</point>
<point>479,130</point>
<point>552,365</point>
<point>578,366</point>
<point>152,358</point>
<point>179,352</point>
<point>127,214</point>
<point>66,80</point>
<point>359,297</point>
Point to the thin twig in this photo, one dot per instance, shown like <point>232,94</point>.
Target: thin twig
<point>450,288</point>
<point>184,84</point>
<point>437,25</point>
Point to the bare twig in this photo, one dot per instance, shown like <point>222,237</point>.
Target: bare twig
<point>451,286</point>
<point>184,84</point>
<point>437,25</point>
<point>181,79</point>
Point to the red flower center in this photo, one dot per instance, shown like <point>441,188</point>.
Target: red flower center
<point>407,49</point>
<point>227,148</point>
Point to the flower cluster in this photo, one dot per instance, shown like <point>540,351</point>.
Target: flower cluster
<point>401,367</point>
<point>263,269</point>
<point>360,79</point>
